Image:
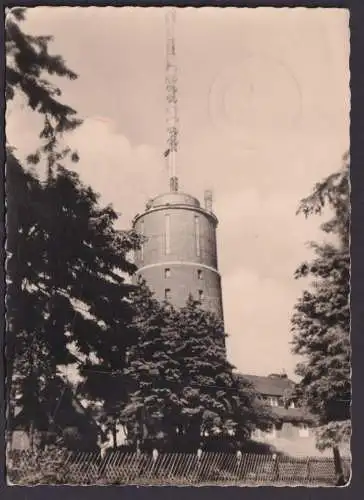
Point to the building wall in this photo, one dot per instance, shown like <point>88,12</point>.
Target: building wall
<point>20,440</point>
<point>287,430</point>
<point>179,256</point>
<point>289,439</point>
<point>292,440</point>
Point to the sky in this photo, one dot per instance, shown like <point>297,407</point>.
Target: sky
<point>264,108</point>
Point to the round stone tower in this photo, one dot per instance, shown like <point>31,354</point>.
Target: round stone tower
<point>179,256</point>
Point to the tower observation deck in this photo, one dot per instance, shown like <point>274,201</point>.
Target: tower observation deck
<point>179,256</point>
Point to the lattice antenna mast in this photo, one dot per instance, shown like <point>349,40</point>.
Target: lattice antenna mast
<point>172,101</point>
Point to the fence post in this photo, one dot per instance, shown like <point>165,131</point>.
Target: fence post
<point>198,465</point>
<point>339,472</point>
<point>237,468</point>
<point>154,463</point>
<point>308,472</point>
<point>276,467</point>
<point>102,462</point>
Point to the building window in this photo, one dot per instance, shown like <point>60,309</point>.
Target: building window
<point>199,274</point>
<point>200,295</point>
<point>167,242</point>
<point>257,434</point>
<point>303,430</point>
<point>272,432</point>
<point>167,294</point>
<point>273,401</point>
<point>197,235</point>
<point>167,273</point>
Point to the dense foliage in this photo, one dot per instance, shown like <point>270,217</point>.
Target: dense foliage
<point>29,66</point>
<point>64,284</point>
<point>321,321</point>
<point>65,258</point>
<point>181,385</point>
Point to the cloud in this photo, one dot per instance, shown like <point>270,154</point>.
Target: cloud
<point>258,312</point>
<point>257,160</point>
<point>263,232</point>
<point>125,175</point>
<point>261,243</point>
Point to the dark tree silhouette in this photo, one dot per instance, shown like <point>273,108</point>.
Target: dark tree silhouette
<point>65,287</point>
<point>65,258</point>
<point>321,321</point>
<point>29,71</point>
<point>181,384</point>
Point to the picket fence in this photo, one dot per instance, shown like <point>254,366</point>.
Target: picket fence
<point>172,469</point>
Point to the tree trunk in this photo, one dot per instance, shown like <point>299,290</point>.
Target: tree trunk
<point>193,434</point>
<point>10,427</point>
<point>31,436</point>
<point>114,436</point>
<point>339,472</point>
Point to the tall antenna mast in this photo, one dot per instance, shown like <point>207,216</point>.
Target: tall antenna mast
<point>171,89</point>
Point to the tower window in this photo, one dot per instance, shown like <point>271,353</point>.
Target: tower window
<point>167,241</point>
<point>199,274</point>
<point>200,295</point>
<point>197,235</point>
<point>167,294</point>
<point>167,273</point>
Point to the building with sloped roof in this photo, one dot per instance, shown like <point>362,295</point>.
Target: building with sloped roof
<point>293,431</point>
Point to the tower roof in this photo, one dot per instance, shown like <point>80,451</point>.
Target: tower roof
<point>173,198</point>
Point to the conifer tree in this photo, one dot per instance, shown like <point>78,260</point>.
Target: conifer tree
<point>65,258</point>
<point>152,374</point>
<point>28,66</point>
<point>28,362</point>
<point>65,284</point>
<point>321,320</point>
<point>214,399</point>
<point>29,71</point>
<point>181,384</point>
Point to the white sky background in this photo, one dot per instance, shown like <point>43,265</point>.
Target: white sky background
<point>264,115</point>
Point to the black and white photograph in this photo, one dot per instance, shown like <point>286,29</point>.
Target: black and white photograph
<point>178,246</point>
